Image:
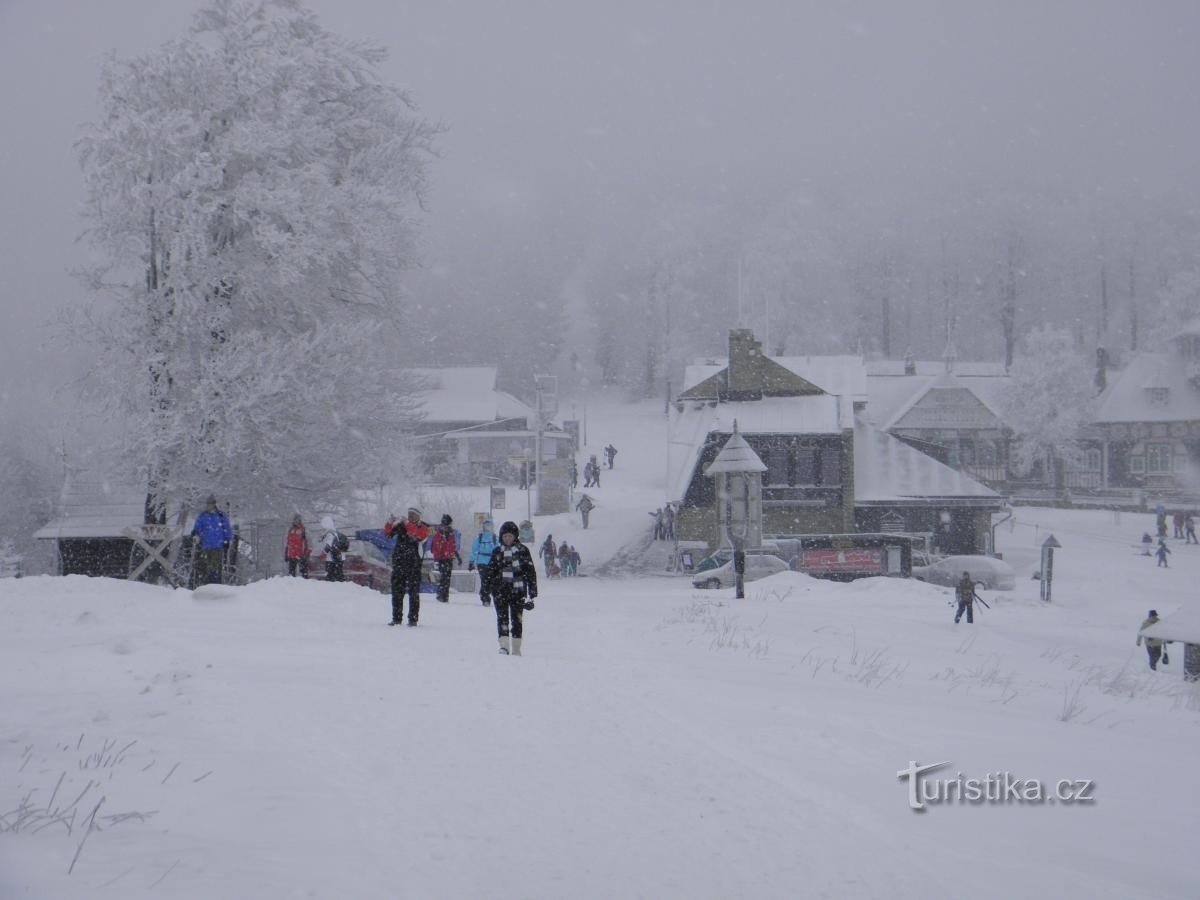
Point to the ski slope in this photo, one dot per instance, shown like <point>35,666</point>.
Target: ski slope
<point>277,740</point>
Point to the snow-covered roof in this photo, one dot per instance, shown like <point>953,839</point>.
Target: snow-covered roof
<point>736,456</point>
<point>467,394</point>
<point>96,508</point>
<point>887,470</point>
<point>816,414</point>
<point>1125,400</point>
<point>842,375</point>
<point>1181,626</point>
<point>889,398</point>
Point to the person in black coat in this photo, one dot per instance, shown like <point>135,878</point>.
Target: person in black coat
<point>514,587</point>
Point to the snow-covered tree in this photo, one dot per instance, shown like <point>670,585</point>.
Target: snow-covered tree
<point>253,194</point>
<point>1049,401</point>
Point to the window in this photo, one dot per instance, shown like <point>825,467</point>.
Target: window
<point>966,452</point>
<point>806,466</point>
<point>1093,459</point>
<point>1158,459</point>
<point>777,466</point>
<point>987,453</point>
<point>831,466</point>
<point>1137,465</point>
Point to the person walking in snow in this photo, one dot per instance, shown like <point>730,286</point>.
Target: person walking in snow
<point>657,516</point>
<point>1177,523</point>
<point>549,554</point>
<point>213,533</point>
<point>1154,646</point>
<point>595,472</point>
<point>610,453</point>
<point>515,579</point>
<point>589,477</point>
<point>1189,528</point>
<point>564,558</point>
<point>481,554</point>
<point>1162,553</point>
<point>333,544</point>
<point>296,549</point>
<point>1147,543</point>
<point>585,507</point>
<point>669,522</point>
<point>574,561</point>
<point>445,553</point>
<point>573,473</point>
<point>964,591</point>
<point>406,564</point>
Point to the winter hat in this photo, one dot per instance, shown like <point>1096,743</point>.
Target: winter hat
<point>488,523</point>
<point>1153,613</point>
<point>446,520</point>
<point>327,523</point>
<point>210,500</point>
<point>414,509</point>
<point>510,528</point>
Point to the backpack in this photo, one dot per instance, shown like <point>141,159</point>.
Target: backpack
<point>341,543</point>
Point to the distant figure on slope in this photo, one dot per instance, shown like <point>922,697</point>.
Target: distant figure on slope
<point>515,579</point>
<point>657,516</point>
<point>213,532</point>
<point>585,507</point>
<point>1154,646</point>
<point>564,558</point>
<point>334,544</point>
<point>481,554</point>
<point>406,564</point>
<point>1162,553</point>
<point>1189,527</point>
<point>595,472</point>
<point>573,473</point>
<point>1147,543</point>
<point>445,553</point>
<point>549,554</point>
<point>610,453</point>
<point>669,522</point>
<point>965,592</point>
<point>574,561</point>
<point>1177,523</point>
<point>296,548</point>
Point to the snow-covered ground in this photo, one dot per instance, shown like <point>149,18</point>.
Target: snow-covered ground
<point>654,741</point>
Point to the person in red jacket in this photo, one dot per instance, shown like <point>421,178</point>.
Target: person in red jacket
<point>406,564</point>
<point>297,550</point>
<point>445,551</point>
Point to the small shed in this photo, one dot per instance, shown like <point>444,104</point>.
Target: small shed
<point>1184,627</point>
<point>91,535</point>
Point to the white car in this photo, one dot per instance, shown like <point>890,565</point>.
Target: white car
<point>994,574</point>
<point>758,565</point>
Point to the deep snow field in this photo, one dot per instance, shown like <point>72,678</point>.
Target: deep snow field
<point>277,740</point>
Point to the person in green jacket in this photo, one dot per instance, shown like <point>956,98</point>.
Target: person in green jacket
<point>1154,646</point>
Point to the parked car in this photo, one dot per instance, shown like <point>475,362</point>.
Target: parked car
<point>363,563</point>
<point>993,574</point>
<point>758,565</point>
<point>725,555</point>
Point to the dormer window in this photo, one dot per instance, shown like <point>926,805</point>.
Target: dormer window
<point>1157,396</point>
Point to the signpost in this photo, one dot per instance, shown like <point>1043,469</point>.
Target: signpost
<point>497,498</point>
<point>1048,547</point>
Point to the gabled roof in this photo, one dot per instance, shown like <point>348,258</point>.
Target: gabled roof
<point>842,375</point>
<point>94,507</point>
<point>890,398</point>
<point>888,471</point>
<point>1125,400</point>
<point>467,394</point>
<point>736,456</point>
<point>894,368</point>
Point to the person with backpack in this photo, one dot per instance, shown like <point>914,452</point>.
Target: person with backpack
<point>213,533</point>
<point>595,472</point>
<point>445,553</point>
<point>481,554</point>
<point>574,561</point>
<point>406,564</point>
<point>514,577</point>
<point>335,544</point>
<point>585,507</point>
<point>296,548</point>
<point>564,559</point>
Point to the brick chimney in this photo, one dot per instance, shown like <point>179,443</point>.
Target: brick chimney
<point>745,376</point>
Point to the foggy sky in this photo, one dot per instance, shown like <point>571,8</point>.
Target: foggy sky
<point>561,111</point>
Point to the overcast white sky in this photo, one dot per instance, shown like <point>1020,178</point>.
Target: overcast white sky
<point>573,106</point>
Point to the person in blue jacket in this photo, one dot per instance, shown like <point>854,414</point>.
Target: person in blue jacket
<point>481,554</point>
<point>213,532</point>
